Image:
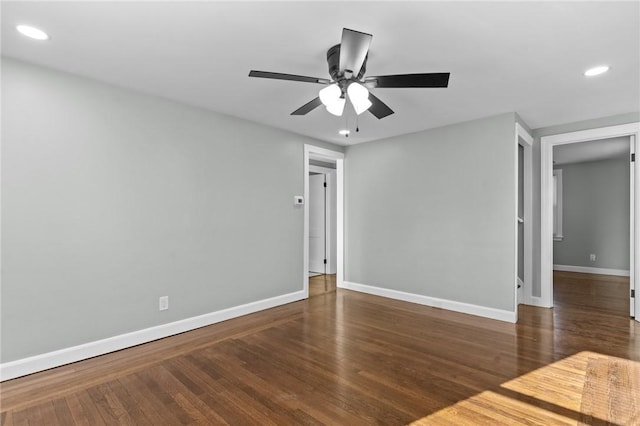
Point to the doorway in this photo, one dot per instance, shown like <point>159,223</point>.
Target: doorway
<point>523,280</point>
<point>547,206</point>
<point>323,220</point>
<point>322,227</point>
<point>591,223</point>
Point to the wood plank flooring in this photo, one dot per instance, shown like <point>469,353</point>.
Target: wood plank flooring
<point>611,391</point>
<point>348,358</point>
<point>322,284</point>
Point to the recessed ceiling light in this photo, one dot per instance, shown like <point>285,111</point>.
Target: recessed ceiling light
<point>344,132</point>
<point>596,70</point>
<point>32,32</point>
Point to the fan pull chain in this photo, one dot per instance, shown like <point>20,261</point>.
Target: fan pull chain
<point>357,126</point>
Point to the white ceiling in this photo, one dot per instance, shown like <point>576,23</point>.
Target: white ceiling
<point>601,149</point>
<point>526,57</point>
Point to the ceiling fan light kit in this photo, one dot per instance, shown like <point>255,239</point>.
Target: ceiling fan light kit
<point>347,65</point>
<point>333,99</point>
<point>336,107</point>
<point>359,97</point>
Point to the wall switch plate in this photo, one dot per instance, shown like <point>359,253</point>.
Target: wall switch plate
<point>163,303</point>
<point>592,257</point>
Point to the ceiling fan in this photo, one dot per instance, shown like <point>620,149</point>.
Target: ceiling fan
<point>347,65</point>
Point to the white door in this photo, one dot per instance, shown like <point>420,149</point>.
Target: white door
<point>317,223</point>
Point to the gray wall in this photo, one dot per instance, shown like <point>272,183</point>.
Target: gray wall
<point>553,130</point>
<point>111,199</point>
<point>432,213</point>
<point>595,215</point>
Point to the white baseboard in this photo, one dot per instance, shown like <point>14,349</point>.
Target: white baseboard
<point>450,305</point>
<point>537,301</point>
<point>589,270</point>
<point>22,367</point>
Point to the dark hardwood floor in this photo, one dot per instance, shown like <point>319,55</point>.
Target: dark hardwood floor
<point>322,284</point>
<point>597,293</point>
<point>348,358</point>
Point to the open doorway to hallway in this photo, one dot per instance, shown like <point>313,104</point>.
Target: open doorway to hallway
<point>547,145</point>
<point>322,226</point>
<point>591,223</point>
<point>329,166</point>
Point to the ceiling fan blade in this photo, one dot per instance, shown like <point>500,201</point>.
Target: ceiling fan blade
<point>308,107</point>
<point>440,79</point>
<point>353,50</point>
<point>378,108</point>
<point>290,77</point>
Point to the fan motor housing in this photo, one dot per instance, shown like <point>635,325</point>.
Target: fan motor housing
<point>333,60</point>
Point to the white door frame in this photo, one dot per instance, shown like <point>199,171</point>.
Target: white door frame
<point>317,153</point>
<point>546,203</point>
<point>330,176</point>
<point>526,140</point>
<point>634,176</point>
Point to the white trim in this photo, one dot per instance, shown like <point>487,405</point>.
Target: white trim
<point>593,134</point>
<point>1,210</point>
<point>324,154</point>
<point>33,364</point>
<point>520,291</point>
<point>516,253</point>
<point>559,202</point>
<point>305,229</point>
<point>634,182</point>
<point>526,140</point>
<point>537,301</point>
<point>546,202</point>
<point>522,132</point>
<point>340,259</point>
<point>320,169</point>
<point>330,227</point>
<point>546,224</point>
<point>590,270</point>
<point>450,305</point>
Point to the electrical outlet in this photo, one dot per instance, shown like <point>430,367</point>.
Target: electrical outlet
<point>163,303</point>
<point>592,257</point>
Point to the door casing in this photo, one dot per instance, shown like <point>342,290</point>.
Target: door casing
<point>546,205</point>
<point>317,223</point>
<point>317,153</point>
<point>524,139</point>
